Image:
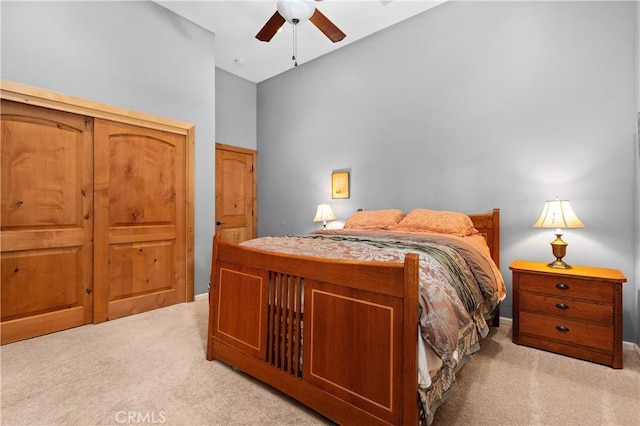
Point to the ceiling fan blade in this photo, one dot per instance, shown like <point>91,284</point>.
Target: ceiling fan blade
<point>326,26</point>
<point>271,27</point>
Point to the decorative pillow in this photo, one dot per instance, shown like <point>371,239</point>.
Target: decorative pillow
<point>438,221</point>
<point>374,219</point>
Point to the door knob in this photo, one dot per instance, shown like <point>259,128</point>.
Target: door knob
<point>219,223</point>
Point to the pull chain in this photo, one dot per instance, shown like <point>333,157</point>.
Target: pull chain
<point>295,42</point>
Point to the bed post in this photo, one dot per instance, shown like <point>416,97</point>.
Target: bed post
<point>410,411</point>
<point>495,250</point>
<point>488,224</point>
<point>495,254</point>
<point>213,285</point>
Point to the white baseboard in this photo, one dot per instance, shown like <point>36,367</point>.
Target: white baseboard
<point>201,296</point>
<point>630,346</point>
<point>506,321</point>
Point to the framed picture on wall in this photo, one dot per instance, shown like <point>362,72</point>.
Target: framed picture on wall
<point>340,185</point>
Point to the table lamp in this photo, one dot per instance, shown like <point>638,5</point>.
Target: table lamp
<point>558,214</point>
<point>324,214</point>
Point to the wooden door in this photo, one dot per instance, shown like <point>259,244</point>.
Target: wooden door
<point>235,193</point>
<point>140,223</point>
<point>46,220</point>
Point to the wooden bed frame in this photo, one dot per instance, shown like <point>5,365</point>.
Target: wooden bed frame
<point>360,321</point>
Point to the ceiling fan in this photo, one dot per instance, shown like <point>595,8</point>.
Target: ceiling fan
<point>295,11</point>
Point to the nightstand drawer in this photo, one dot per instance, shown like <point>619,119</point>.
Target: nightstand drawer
<point>592,335</point>
<point>567,308</point>
<point>566,287</point>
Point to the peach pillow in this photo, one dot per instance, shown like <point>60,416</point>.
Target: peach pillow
<point>374,219</point>
<point>438,221</point>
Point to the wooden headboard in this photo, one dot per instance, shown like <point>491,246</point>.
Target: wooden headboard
<point>489,226</point>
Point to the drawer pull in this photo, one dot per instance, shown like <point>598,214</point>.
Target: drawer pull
<point>562,328</point>
<point>562,286</point>
<point>562,306</point>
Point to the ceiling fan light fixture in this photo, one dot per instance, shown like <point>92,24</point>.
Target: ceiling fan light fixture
<point>295,9</point>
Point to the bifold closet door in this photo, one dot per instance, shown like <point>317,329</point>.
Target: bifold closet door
<point>140,219</point>
<point>46,221</point>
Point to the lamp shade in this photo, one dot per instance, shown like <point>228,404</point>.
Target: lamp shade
<point>558,214</point>
<point>324,213</point>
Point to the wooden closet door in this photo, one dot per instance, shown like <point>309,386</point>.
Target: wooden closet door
<point>235,193</point>
<point>140,223</point>
<point>46,220</point>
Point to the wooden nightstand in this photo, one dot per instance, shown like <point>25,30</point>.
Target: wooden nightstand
<point>575,312</point>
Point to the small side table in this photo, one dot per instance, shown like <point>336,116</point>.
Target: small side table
<point>575,312</point>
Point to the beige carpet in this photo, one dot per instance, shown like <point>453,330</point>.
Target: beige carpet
<point>151,369</point>
<point>507,384</point>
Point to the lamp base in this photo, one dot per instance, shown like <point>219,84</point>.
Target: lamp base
<point>559,264</point>
<point>559,248</point>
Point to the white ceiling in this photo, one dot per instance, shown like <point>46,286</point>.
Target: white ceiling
<point>236,22</point>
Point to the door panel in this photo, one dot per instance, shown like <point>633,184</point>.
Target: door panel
<point>26,272</point>
<point>140,226</point>
<point>46,220</point>
<point>136,269</point>
<point>235,193</point>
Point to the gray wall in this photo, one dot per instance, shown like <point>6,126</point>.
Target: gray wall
<point>136,55</point>
<point>470,106</point>
<point>236,110</point>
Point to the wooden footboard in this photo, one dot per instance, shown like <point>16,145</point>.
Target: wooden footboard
<point>358,321</point>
